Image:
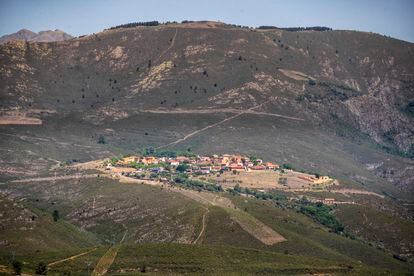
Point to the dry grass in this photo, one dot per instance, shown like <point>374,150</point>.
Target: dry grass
<point>267,180</point>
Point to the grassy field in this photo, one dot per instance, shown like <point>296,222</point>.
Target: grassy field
<point>173,258</point>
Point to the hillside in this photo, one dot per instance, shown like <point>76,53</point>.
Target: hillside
<point>336,103</point>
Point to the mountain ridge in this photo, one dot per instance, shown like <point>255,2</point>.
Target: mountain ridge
<point>42,36</point>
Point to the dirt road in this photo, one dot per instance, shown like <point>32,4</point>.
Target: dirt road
<point>212,125</point>
<point>203,228</point>
<point>54,178</point>
<point>71,258</point>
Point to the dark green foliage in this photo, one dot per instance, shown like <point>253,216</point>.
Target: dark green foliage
<point>167,153</point>
<point>296,29</point>
<point>56,215</point>
<point>41,269</point>
<point>181,178</point>
<point>17,267</point>
<point>288,167</point>
<point>409,109</point>
<point>321,213</point>
<point>101,139</point>
<point>312,82</point>
<point>136,24</point>
<point>198,185</point>
<point>182,168</point>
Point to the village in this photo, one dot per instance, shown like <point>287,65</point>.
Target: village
<point>227,170</point>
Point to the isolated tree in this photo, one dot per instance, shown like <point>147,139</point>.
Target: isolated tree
<point>182,168</point>
<point>17,267</point>
<point>101,139</point>
<point>55,215</point>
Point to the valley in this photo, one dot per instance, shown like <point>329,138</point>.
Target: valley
<point>207,148</point>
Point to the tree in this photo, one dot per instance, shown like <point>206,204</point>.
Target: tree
<point>237,188</point>
<point>41,269</point>
<point>17,267</point>
<point>101,139</point>
<point>56,215</point>
<point>182,168</point>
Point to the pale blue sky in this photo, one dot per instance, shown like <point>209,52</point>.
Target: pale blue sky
<point>393,18</point>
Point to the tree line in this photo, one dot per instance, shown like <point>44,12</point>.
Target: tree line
<point>297,29</point>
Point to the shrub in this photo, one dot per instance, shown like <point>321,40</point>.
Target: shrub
<point>182,168</point>
<point>55,215</point>
<point>288,166</point>
<point>101,139</point>
<point>17,267</point>
<point>41,269</point>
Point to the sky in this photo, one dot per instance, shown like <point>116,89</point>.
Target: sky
<point>78,17</point>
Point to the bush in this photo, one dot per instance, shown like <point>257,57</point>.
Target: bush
<point>41,269</point>
<point>287,166</point>
<point>322,214</point>
<point>56,215</point>
<point>17,267</point>
<point>101,139</point>
<point>182,168</point>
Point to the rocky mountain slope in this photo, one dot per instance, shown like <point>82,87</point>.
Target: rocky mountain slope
<point>42,36</point>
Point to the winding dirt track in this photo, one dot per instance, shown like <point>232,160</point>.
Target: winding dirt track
<point>215,111</point>
<point>169,47</point>
<point>203,227</point>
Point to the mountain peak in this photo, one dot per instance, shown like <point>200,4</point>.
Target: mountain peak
<point>42,36</point>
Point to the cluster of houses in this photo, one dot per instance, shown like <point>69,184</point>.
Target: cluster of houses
<point>202,164</point>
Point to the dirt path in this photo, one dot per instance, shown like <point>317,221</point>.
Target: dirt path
<point>169,47</point>
<point>215,111</point>
<point>71,258</point>
<point>203,227</point>
<point>108,258</point>
<point>355,191</point>
<point>210,126</point>
<point>54,178</point>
